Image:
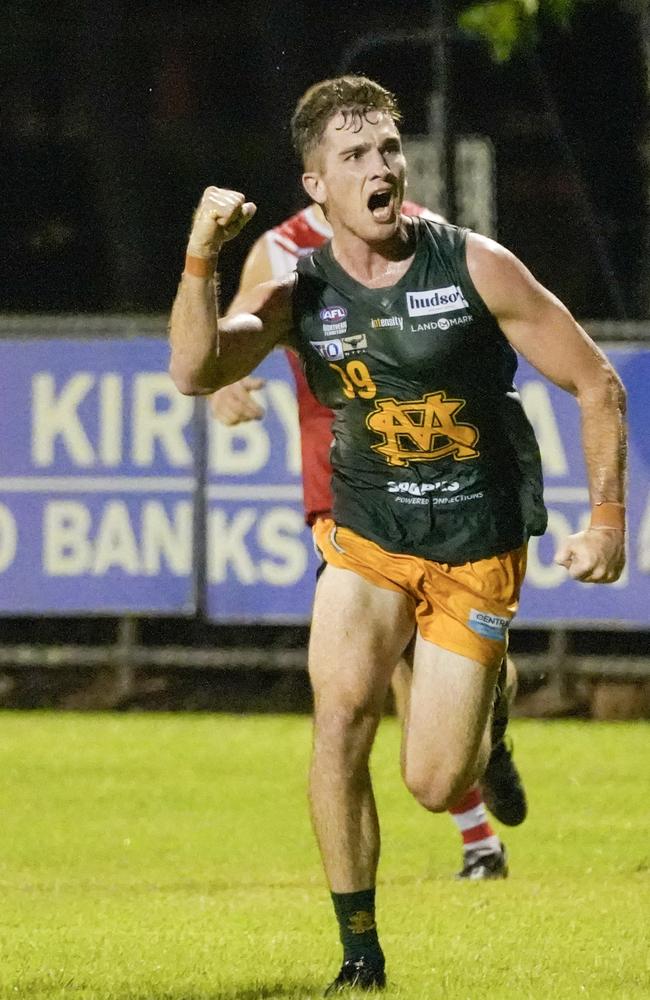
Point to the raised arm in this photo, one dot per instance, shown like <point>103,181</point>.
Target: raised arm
<point>540,327</point>
<point>208,352</point>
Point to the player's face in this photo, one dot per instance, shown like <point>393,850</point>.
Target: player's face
<point>361,175</point>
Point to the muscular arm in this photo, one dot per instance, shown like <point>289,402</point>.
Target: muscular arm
<point>208,352</point>
<point>541,329</point>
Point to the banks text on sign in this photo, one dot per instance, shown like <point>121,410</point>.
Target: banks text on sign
<point>99,473</point>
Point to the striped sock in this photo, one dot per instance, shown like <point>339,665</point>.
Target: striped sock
<point>470,816</point>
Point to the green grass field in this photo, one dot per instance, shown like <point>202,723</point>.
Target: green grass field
<point>170,857</point>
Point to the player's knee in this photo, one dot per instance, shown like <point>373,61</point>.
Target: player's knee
<point>339,721</point>
<point>436,789</point>
<point>430,794</point>
<point>345,728</point>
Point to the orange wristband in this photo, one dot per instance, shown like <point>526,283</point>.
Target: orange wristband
<point>200,267</point>
<point>608,514</point>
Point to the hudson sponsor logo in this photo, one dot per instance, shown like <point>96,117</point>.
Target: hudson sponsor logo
<point>435,300</point>
<point>488,625</point>
<point>333,314</point>
<point>386,322</point>
<point>443,323</point>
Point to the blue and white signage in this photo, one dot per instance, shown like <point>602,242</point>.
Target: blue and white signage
<point>96,479</point>
<point>549,596</point>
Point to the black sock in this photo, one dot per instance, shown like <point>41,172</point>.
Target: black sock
<point>355,912</point>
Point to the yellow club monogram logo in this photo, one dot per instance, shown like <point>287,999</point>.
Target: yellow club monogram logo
<point>422,430</point>
<point>361,921</point>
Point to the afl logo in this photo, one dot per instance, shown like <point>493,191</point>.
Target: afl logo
<point>333,314</point>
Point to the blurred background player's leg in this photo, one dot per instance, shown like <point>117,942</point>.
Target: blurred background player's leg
<point>501,784</point>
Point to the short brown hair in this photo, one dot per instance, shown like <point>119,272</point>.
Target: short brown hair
<point>353,95</point>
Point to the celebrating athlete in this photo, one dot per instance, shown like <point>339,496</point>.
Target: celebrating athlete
<point>273,255</point>
<point>407,329</point>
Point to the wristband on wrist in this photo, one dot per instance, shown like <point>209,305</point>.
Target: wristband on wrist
<point>608,514</point>
<point>200,267</point>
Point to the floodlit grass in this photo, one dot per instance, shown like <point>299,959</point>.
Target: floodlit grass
<point>170,857</point>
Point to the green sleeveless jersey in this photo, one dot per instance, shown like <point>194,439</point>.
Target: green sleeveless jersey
<point>433,455</point>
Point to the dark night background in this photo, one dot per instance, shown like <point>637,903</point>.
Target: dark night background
<point>115,116</point>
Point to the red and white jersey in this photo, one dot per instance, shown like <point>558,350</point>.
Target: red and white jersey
<point>274,255</point>
<point>285,244</point>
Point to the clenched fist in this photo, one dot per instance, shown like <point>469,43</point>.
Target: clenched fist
<point>596,555</point>
<point>220,215</point>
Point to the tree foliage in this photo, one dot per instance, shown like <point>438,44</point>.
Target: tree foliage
<point>507,25</point>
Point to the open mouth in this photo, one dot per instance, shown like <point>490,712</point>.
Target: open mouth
<point>380,204</point>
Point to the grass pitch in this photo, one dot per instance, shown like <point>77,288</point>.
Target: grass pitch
<point>170,857</point>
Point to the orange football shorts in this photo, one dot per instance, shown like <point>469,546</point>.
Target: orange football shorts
<point>466,609</point>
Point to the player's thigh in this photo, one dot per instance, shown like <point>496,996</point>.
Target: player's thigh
<point>446,730</point>
<point>400,683</point>
<point>358,632</point>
